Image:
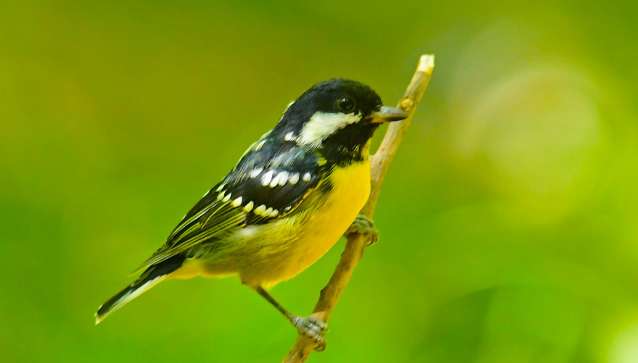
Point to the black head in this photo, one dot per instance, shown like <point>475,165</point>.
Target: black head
<point>336,117</point>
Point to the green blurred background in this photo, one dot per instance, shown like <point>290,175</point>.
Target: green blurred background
<point>508,221</point>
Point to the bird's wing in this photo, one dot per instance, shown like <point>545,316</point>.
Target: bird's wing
<point>268,183</point>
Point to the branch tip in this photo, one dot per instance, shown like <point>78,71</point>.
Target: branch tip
<point>426,63</point>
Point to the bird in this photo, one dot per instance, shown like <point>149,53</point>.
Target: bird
<point>290,197</point>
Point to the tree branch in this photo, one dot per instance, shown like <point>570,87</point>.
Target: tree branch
<point>380,162</point>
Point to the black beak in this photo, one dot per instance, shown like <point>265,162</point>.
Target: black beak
<point>387,114</point>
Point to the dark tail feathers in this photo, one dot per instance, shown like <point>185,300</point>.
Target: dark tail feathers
<point>149,278</point>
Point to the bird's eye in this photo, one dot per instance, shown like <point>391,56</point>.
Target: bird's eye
<point>345,104</point>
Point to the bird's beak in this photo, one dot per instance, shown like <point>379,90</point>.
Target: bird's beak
<point>387,114</point>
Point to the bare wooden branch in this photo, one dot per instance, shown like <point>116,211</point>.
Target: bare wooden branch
<point>380,162</point>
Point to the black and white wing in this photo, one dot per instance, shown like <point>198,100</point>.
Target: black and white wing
<point>268,183</point>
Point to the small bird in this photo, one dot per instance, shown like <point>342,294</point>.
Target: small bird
<point>289,199</point>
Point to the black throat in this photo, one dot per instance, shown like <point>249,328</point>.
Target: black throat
<point>347,145</point>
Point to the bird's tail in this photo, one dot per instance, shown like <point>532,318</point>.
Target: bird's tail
<point>150,277</point>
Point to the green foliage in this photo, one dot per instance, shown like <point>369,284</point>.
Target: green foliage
<point>508,221</point>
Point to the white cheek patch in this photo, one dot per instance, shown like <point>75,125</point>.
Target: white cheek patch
<point>324,124</point>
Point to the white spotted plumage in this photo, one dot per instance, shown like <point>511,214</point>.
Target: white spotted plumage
<point>290,136</point>
<point>282,178</point>
<point>260,210</point>
<point>236,202</point>
<point>275,180</point>
<point>294,178</point>
<point>266,178</point>
<point>255,172</point>
<point>307,176</point>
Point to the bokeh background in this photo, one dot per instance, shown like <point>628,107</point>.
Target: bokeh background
<point>508,221</point>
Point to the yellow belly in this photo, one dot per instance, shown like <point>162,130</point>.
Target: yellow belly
<point>320,229</point>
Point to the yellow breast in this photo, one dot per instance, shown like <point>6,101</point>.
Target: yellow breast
<point>323,226</point>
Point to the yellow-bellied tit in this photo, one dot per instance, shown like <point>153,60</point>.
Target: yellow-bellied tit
<point>288,200</point>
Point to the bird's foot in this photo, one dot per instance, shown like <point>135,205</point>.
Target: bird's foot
<point>313,328</point>
<point>365,226</point>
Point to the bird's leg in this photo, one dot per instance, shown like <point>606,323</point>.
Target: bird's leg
<point>309,326</point>
<point>365,226</point>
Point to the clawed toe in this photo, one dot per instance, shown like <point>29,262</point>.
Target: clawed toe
<point>365,226</point>
<point>313,328</point>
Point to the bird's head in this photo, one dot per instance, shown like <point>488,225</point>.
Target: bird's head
<point>337,117</point>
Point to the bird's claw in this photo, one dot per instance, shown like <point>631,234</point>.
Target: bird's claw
<point>364,226</point>
<point>312,328</point>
